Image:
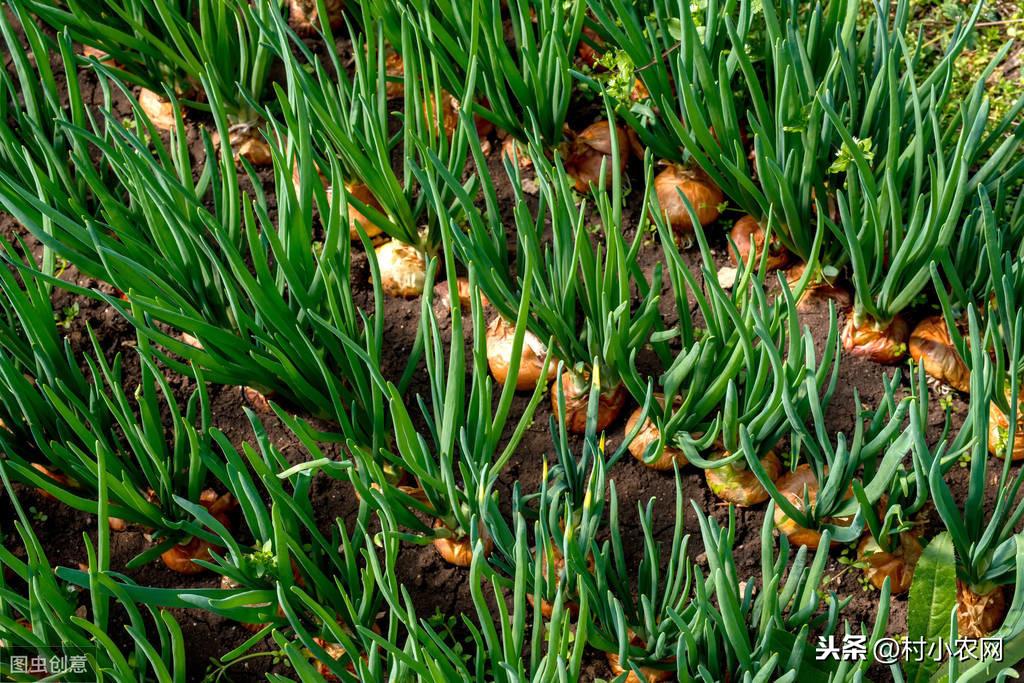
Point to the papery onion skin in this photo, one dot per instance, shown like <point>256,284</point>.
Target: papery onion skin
<point>740,486</point>
<point>58,477</point>
<point>647,435</point>
<point>403,270</point>
<point>304,16</point>
<point>500,334</point>
<point>394,68</point>
<point>747,233</point>
<point>587,153</point>
<point>885,345</point>
<point>577,398</point>
<point>257,400</point>
<point>931,346</point>
<point>247,143</point>
<point>897,566</point>
<point>704,196</point>
<point>449,114</point>
<point>459,552</point>
<point>356,217</point>
<point>179,557</point>
<point>978,615</point>
<point>650,674</point>
<point>817,293</point>
<point>516,152</point>
<point>791,485</point>
<point>998,433</point>
<point>159,109</point>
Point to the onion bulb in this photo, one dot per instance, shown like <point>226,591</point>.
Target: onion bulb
<point>247,143</point>
<point>791,485</point>
<point>747,234</point>
<point>546,608</point>
<point>459,551</point>
<point>449,114</point>
<point>649,434</point>
<point>577,399</point>
<point>100,56</point>
<point>158,109</point>
<point>180,557</point>
<point>978,615</point>
<point>500,335</point>
<point>53,475</point>
<point>816,293</point>
<point>361,192</point>
<point>739,485</point>
<point>257,400</point>
<point>304,15</point>
<point>335,652</point>
<point>886,345</point>
<point>516,152</point>
<point>650,674</point>
<point>588,150</point>
<point>931,346</point>
<point>703,195</point>
<point>897,566</point>
<point>403,269</point>
<point>999,433</point>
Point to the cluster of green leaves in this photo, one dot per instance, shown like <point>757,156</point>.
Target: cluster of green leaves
<point>172,46</point>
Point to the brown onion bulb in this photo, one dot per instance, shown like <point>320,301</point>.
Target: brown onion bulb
<point>897,566</point>
<point>449,114</point>
<point>650,674</point>
<point>500,335</point>
<point>356,217</point>
<point>335,652</point>
<point>577,399</point>
<point>704,196</point>
<point>739,485</point>
<point>547,608</point>
<point>931,346</point>
<point>791,485</point>
<point>257,400</point>
<point>998,433</point>
<point>886,345</point>
<point>158,109</point>
<point>747,234</point>
<point>817,293</point>
<point>459,551</point>
<point>180,557</point>
<point>304,15</point>
<point>403,270</point>
<point>248,143</point>
<point>647,435</point>
<point>100,56</point>
<point>979,615</point>
<point>53,475</point>
<point>588,150</point>
<point>516,152</point>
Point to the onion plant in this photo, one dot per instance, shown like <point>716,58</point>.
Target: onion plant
<point>986,543</point>
<point>817,494</point>
<point>582,288</point>
<point>742,364</point>
<point>907,191</point>
<point>196,255</point>
<point>71,433</point>
<point>524,86</point>
<point>894,542</point>
<point>171,47</point>
<point>790,76</point>
<point>281,572</point>
<point>35,145</point>
<point>352,127</point>
<point>455,463</point>
<point>42,616</point>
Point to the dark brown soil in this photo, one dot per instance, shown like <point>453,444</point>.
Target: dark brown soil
<point>433,584</point>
